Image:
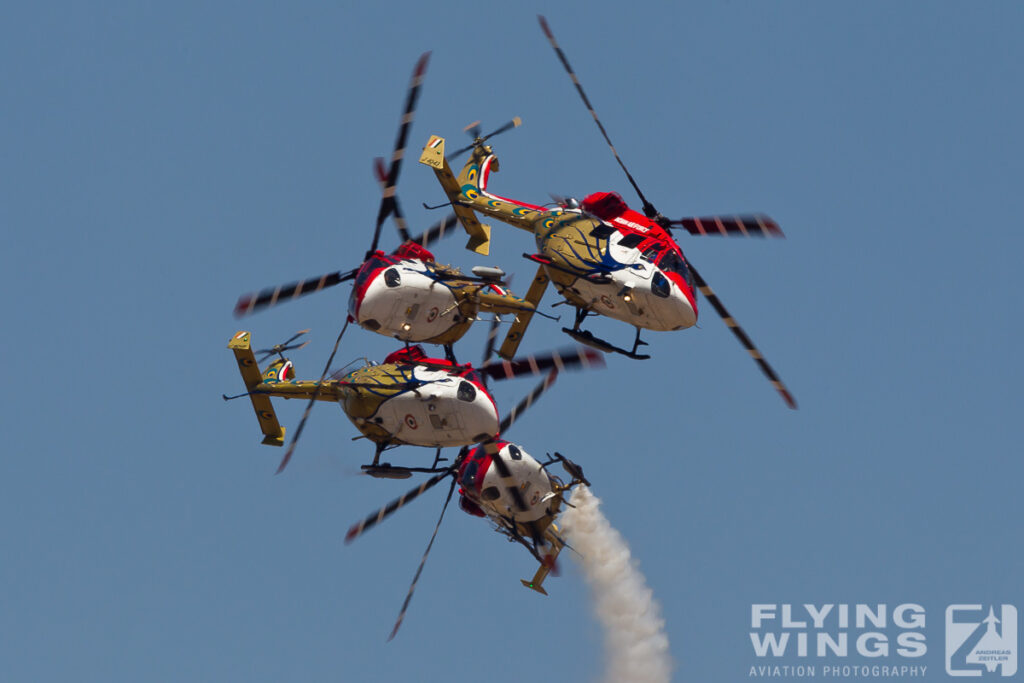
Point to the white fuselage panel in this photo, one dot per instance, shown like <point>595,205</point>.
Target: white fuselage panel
<point>438,413</point>
<point>408,304</point>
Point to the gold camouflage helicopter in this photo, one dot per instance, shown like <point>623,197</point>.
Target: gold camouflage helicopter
<point>408,399</point>
<point>602,257</point>
<point>406,294</point>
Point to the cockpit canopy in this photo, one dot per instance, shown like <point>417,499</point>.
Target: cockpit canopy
<point>666,258</point>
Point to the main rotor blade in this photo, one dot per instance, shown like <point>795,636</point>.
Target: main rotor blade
<point>527,401</point>
<point>423,561</point>
<point>359,528</point>
<point>431,234</point>
<point>382,178</point>
<point>757,225</point>
<point>514,123</point>
<point>649,209</point>
<point>387,202</point>
<point>731,323</point>
<point>265,298</point>
<point>492,336</point>
<point>561,359</point>
<point>312,402</point>
<point>436,231</point>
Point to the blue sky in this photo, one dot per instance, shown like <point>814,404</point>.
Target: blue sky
<point>158,162</point>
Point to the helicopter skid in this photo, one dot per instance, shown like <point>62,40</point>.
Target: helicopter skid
<point>386,471</point>
<point>588,339</point>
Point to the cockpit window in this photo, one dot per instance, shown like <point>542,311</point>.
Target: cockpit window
<point>650,254</point>
<point>660,285</point>
<point>392,278</point>
<point>469,475</point>
<point>466,392</point>
<point>369,267</point>
<point>514,452</point>
<point>671,262</point>
<point>490,493</point>
<point>602,231</point>
<point>631,241</point>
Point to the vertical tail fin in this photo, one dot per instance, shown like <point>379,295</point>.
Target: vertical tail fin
<point>479,234</point>
<point>273,432</point>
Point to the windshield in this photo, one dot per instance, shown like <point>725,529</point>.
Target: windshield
<point>367,269</point>
<point>674,263</point>
<point>469,475</point>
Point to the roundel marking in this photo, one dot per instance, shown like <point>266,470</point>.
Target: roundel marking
<point>606,301</point>
<point>410,421</point>
<point>432,314</point>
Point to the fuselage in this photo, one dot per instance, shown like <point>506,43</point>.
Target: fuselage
<point>408,296</point>
<point>483,487</point>
<point>399,296</point>
<point>420,401</point>
<point>603,257</point>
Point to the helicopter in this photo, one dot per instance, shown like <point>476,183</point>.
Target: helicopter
<point>406,294</point>
<point>408,399</point>
<point>501,482</point>
<point>603,257</point>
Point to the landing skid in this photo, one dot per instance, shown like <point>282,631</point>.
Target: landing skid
<point>388,471</point>
<point>588,338</point>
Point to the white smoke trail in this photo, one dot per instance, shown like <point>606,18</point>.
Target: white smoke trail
<point>635,640</point>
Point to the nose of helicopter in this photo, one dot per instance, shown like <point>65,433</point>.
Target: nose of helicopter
<point>531,480</point>
<point>480,415</point>
<point>656,301</point>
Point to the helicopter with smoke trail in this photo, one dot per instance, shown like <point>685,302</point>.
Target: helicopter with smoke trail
<point>499,481</point>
